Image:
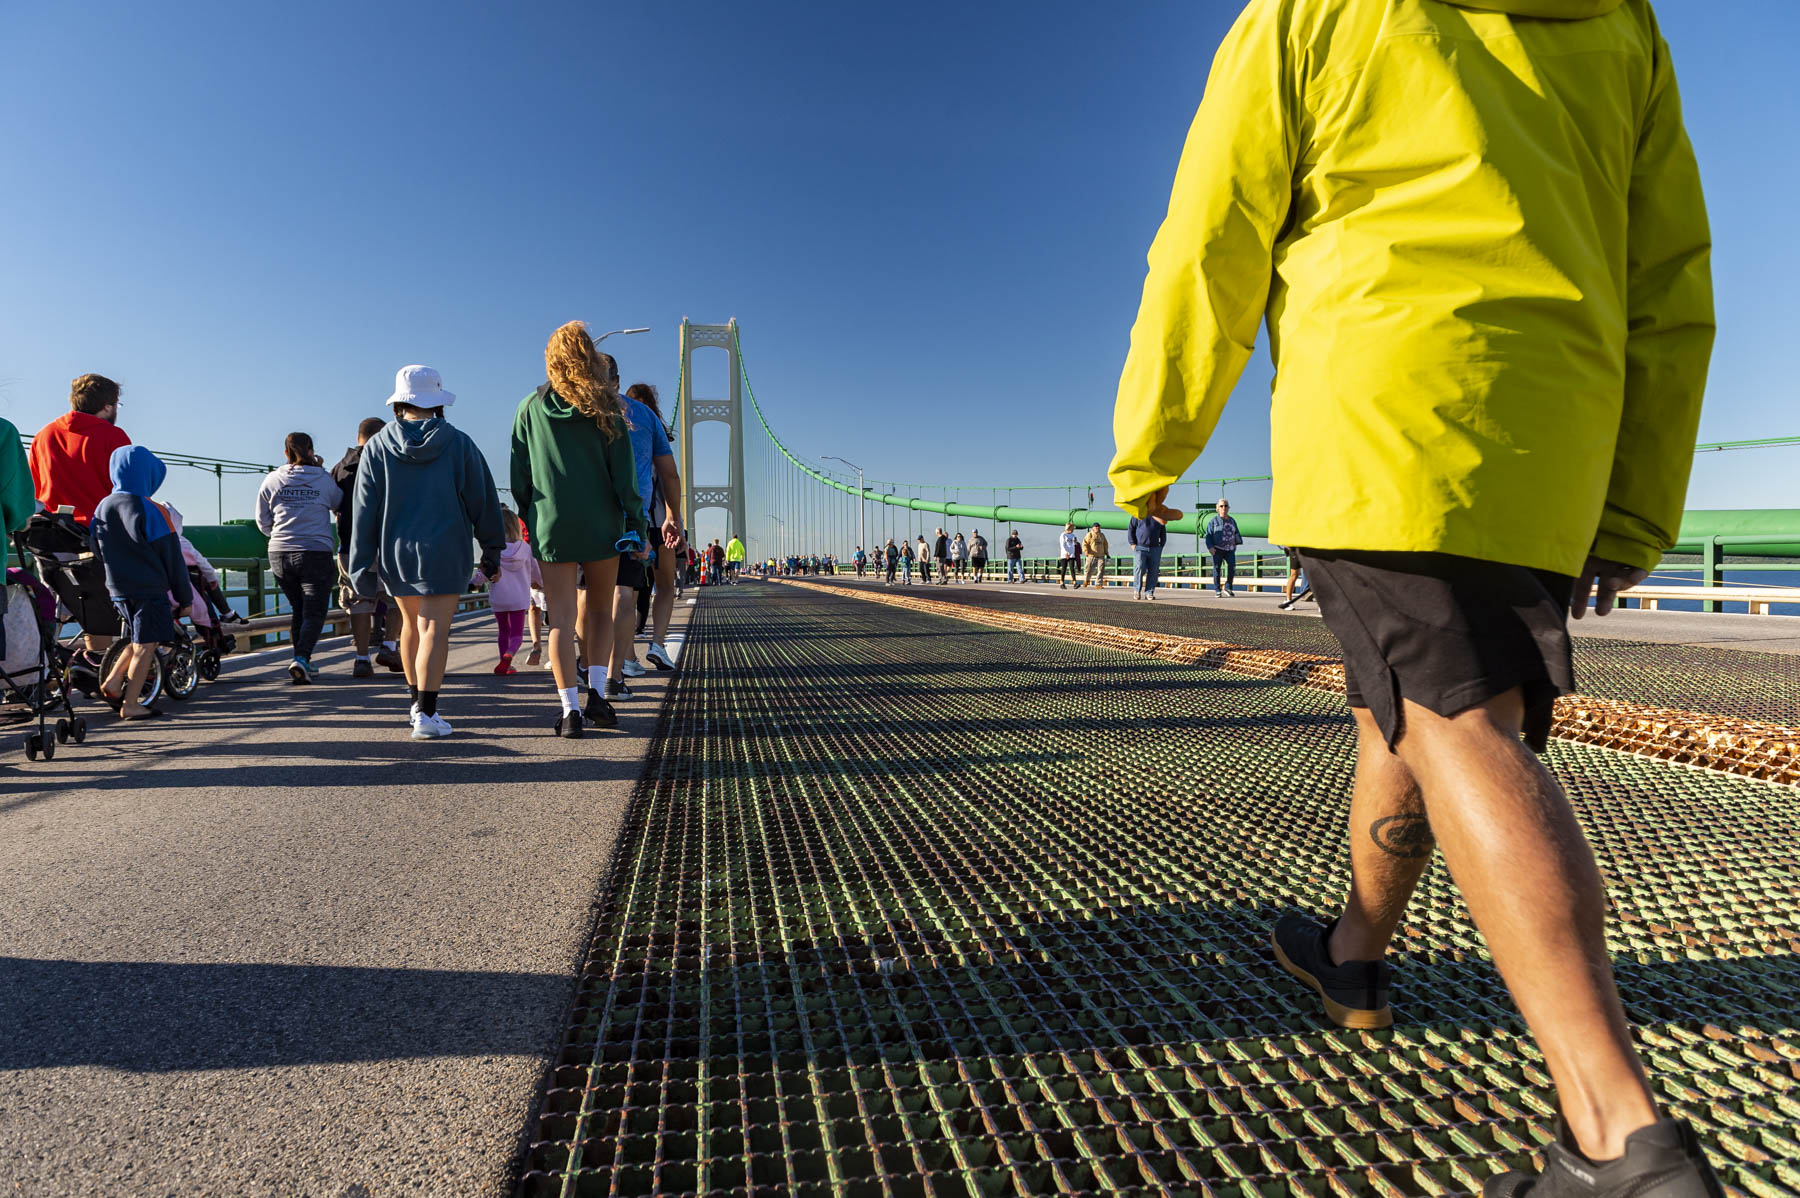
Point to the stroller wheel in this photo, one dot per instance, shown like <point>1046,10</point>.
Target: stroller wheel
<point>209,666</point>
<point>78,729</point>
<point>62,732</point>
<point>34,744</point>
<point>49,749</point>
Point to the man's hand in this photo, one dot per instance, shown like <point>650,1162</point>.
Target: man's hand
<point>671,534</point>
<point>1160,512</point>
<point>1603,580</point>
<point>182,613</point>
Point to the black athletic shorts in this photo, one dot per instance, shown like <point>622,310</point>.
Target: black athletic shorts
<point>1446,632</point>
<point>633,574</point>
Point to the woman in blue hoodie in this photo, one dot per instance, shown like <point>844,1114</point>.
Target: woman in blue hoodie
<point>141,552</point>
<point>424,496</point>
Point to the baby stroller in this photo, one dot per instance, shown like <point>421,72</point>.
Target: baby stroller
<point>35,667</point>
<point>63,556</point>
<point>211,643</point>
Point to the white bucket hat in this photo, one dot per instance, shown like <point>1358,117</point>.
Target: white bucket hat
<point>420,386</point>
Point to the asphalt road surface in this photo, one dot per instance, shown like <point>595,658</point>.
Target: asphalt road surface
<point>271,945</point>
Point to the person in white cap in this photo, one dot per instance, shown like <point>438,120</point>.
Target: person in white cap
<point>424,497</point>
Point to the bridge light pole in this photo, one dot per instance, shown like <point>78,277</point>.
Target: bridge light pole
<point>618,333</point>
<point>783,523</point>
<point>862,516</point>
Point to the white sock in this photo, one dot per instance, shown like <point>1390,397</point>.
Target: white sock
<point>391,646</point>
<point>571,698</point>
<point>362,657</point>
<point>597,678</point>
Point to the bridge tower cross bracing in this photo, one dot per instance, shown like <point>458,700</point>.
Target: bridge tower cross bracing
<point>729,411</point>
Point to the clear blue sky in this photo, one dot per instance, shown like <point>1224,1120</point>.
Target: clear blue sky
<point>929,219</point>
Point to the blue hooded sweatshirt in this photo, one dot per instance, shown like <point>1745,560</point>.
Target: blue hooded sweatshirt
<point>424,496</point>
<point>139,549</point>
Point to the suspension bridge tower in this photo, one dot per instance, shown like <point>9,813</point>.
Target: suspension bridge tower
<point>728,411</point>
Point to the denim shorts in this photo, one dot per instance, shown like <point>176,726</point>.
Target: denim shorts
<point>146,621</point>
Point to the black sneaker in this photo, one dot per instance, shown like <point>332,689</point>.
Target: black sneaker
<point>1355,993</point>
<point>616,690</point>
<point>1664,1160</point>
<point>599,712</point>
<point>391,660</point>
<point>362,669</point>
<point>568,724</point>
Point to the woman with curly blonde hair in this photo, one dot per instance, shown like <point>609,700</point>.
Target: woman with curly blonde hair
<point>575,481</point>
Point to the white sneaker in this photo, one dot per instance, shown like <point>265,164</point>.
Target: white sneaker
<point>412,717</point>
<point>430,727</point>
<point>632,668</point>
<point>659,657</point>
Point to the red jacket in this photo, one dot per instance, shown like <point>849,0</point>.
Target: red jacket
<point>70,462</point>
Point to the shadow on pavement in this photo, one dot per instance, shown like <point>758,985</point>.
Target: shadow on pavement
<point>149,1017</point>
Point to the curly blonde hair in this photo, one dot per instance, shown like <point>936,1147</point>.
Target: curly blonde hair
<point>585,377</point>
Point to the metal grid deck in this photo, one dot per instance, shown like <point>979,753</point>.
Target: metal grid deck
<point>1753,686</point>
<point>909,906</point>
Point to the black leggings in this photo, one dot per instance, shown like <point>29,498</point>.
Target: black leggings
<point>1068,567</point>
<point>307,579</point>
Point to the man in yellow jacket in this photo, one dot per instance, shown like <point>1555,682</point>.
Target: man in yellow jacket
<point>734,559</point>
<point>1476,232</point>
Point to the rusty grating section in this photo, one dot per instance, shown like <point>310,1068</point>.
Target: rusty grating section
<point>1752,748</point>
<point>1682,677</point>
<point>908,907</point>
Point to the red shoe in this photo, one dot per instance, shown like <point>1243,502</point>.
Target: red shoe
<point>506,665</point>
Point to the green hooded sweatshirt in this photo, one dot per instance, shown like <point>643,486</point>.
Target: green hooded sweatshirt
<point>576,488</point>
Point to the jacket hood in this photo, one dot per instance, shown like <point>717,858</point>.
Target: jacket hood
<point>558,408</point>
<point>351,459</point>
<point>136,471</point>
<point>416,440</point>
<point>1555,10</point>
<point>515,551</point>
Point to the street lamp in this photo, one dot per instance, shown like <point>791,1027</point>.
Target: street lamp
<point>618,333</point>
<point>780,521</point>
<point>862,511</point>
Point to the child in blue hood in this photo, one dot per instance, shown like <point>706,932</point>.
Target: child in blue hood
<point>146,577</point>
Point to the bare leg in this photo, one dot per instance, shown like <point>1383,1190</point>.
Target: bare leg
<point>662,604</point>
<point>431,621</point>
<point>140,657</point>
<point>409,638</point>
<point>361,629</point>
<point>534,619</point>
<point>1529,878</point>
<point>624,621</point>
<point>1390,847</point>
<point>597,616</point>
<point>559,595</point>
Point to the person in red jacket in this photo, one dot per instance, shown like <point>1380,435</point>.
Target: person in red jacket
<point>70,460</point>
<point>69,456</point>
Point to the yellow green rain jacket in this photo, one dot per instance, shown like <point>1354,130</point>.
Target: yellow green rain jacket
<point>1477,233</point>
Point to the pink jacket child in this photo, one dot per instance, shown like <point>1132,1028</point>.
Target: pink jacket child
<point>510,596</point>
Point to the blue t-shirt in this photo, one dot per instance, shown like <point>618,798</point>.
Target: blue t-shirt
<point>649,441</point>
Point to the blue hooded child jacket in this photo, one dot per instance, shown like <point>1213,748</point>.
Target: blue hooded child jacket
<point>139,549</point>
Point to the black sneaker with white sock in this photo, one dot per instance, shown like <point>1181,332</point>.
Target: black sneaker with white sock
<point>599,712</point>
<point>1664,1160</point>
<point>616,690</point>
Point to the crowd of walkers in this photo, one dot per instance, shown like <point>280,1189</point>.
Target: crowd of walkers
<point>397,532</point>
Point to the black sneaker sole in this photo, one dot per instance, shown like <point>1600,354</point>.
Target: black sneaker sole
<point>299,676</point>
<point>1355,1018</point>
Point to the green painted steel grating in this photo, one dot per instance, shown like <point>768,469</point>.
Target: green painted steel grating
<point>908,906</point>
<point>1751,686</point>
